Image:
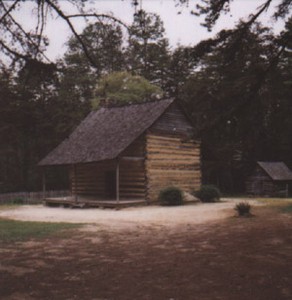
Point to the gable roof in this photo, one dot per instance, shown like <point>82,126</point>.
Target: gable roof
<point>276,170</point>
<point>105,133</point>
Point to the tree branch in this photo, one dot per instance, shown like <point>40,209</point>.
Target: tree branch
<point>67,20</point>
<point>15,53</point>
<point>98,16</point>
<point>262,8</point>
<point>7,12</point>
<point>36,45</point>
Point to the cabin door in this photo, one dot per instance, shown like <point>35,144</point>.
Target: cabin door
<point>110,184</point>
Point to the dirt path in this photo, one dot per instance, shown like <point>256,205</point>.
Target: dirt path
<point>129,217</point>
<point>226,259</point>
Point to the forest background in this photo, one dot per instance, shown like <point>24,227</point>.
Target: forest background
<point>236,87</point>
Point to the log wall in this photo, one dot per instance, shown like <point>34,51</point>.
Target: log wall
<point>132,171</point>
<point>171,162</point>
<point>173,122</point>
<point>260,184</point>
<point>89,179</point>
<point>172,156</point>
<point>164,156</point>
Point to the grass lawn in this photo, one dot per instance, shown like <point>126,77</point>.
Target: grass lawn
<point>15,231</point>
<point>287,209</point>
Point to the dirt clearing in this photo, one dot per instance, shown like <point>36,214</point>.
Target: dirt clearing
<point>223,258</point>
<point>128,217</point>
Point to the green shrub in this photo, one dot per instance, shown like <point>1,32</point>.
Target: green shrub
<point>208,193</point>
<point>243,208</point>
<point>171,196</point>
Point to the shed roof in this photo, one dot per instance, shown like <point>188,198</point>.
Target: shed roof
<point>105,133</point>
<point>276,170</point>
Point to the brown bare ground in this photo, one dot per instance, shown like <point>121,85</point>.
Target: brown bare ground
<point>224,258</point>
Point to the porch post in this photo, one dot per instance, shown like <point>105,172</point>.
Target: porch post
<point>118,181</point>
<point>75,182</point>
<point>44,181</point>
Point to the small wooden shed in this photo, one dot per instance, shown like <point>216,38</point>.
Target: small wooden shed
<point>269,179</point>
<point>129,153</point>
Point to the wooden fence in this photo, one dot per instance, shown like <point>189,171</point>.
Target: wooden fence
<point>30,197</point>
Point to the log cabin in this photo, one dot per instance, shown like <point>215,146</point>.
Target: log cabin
<point>270,179</point>
<point>128,154</point>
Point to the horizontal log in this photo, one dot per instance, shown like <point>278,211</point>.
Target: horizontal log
<point>132,195</point>
<point>164,163</point>
<point>172,166</point>
<point>162,172</point>
<point>86,189</point>
<point>172,144</point>
<point>88,179</point>
<point>160,137</point>
<point>170,155</point>
<point>131,191</point>
<point>89,194</point>
<point>130,170</point>
<point>158,185</point>
<point>132,180</point>
<point>129,186</point>
<point>170,138</point>
<point>154,138</point>
<point>158,157</point>
<point>87,183</point>
<point>89,173</point>
<point>153,180</point>
<point>176,150</point>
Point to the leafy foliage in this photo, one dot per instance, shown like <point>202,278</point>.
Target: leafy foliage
<point>208,193</point>
<point>243,208</point>
<point>171,196</point>
<point>122,87</point>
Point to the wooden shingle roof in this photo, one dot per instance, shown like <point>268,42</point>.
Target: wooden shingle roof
<point>105,133</point>
<point>276,170</point>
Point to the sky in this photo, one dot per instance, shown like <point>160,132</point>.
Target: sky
<point>181,28</point>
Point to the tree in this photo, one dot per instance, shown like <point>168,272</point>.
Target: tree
<point>21,43</point>
<point>181,66</point>
<point>148,50</point>
<point>26,123</point>
<point>230,104</point>
<point>122,88</point>
<point>78,77</point>
<point>33,120</point>
<point>25,43</point>
<point>213,9</point>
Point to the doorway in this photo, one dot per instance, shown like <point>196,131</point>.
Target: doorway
<point>110,184</point>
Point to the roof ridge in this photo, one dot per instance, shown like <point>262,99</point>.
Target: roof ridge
<point>121,104</point>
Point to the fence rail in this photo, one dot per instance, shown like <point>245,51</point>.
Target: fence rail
<point>30,197</point>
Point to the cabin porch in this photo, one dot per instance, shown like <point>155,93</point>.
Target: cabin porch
<point>113,183</point>
<point>84,202</point>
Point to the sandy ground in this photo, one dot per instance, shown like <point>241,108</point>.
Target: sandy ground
<point>129,217</point>
<point>152,253</point>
